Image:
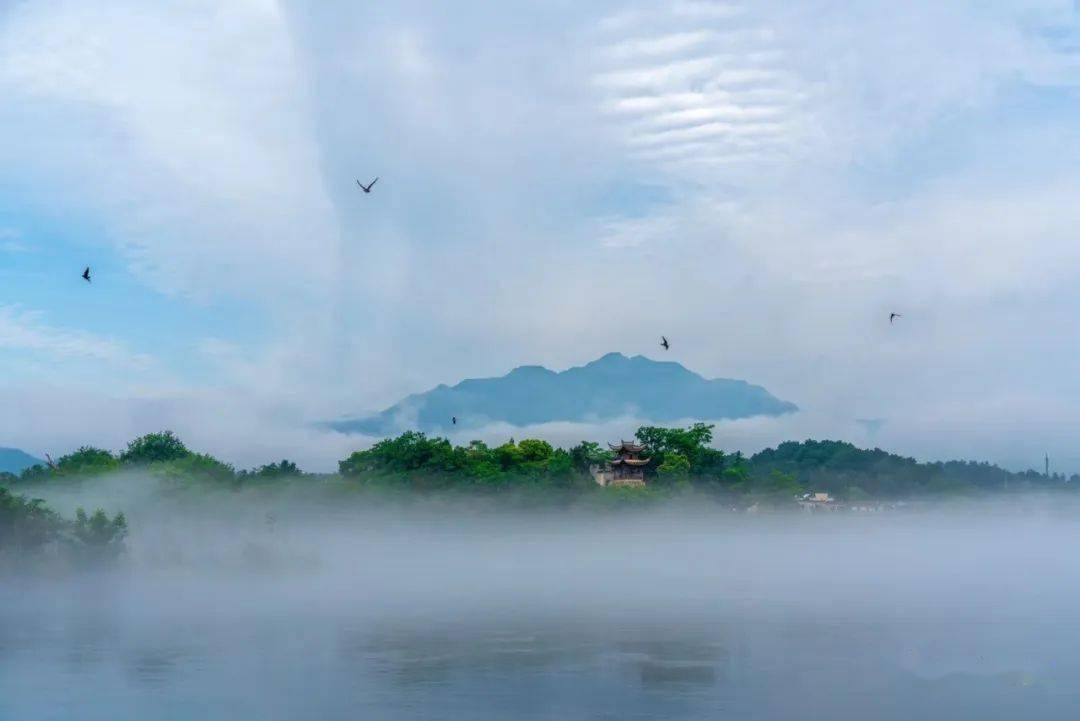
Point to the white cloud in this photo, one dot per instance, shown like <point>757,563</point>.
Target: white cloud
<point>724,82</point>
<point>12,241</point>
<point>24,330</point>
<point>189,135</point>
<point>635,48</point>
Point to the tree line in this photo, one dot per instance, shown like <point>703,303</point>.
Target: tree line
<point>161,454</point>
<point>530,471</point>
<point>28,528</point>
<point>680,458</point>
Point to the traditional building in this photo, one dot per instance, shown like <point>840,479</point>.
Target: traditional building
<point>816,501</point>
<point>626,469</point>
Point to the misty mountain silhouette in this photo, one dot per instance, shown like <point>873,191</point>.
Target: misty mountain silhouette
<point>610,387</point>
<point>12,460</point>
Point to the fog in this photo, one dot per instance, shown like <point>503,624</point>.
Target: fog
<point>264,606</point>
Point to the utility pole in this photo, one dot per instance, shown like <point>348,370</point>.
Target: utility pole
<point>1047,465</point>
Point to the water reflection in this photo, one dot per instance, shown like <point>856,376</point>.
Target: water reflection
<point>153,665</point>
<point>569,628</point>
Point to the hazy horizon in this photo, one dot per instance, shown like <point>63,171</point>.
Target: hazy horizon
<point>319,450</point>
<point>333,611</point>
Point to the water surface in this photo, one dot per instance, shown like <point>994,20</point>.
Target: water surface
<point>962,615</point>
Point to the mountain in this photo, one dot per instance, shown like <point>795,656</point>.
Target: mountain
<point>610,387</point>
<point>12,460</point>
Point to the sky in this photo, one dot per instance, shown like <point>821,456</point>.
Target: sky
<point>763,183</point>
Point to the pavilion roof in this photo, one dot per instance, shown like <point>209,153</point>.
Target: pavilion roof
<point>630,461</point>
<point>626,446</point>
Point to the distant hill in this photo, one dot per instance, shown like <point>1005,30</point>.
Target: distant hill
<point>610,387</point>
<point>850,472</point>
<point>12,460</point>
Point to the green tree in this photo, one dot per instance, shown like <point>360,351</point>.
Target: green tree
<point>560,469</point>
<point>481,466</point>
<point>736,474</point>
<point>415,460</point>
<point>194,467</point>
<point>834,466</point>
<point>777,488</point>
<point>509,456</point>
<point>686,441</point>
<point>587,454</point>
<point>706,465</point>
<point>412,459</point>
<point>410,451</point>
<point>25,524</point>
<point>28,527</point>
<point>674,469</point>
<point>35,474</point>
<point>535,450</point>
<point>87,461</point>
<point>282,469</point>
<point>154,447</point>
<point>98,537</point>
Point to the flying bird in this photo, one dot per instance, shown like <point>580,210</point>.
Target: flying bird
<point>86,274</point>
<point>367,188</point>
<point>664,343</point>
<point>453,419</point>
<point>893,316</point>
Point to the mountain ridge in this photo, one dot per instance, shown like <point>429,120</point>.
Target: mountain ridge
<point>14,460</point>
<point>608,387</point>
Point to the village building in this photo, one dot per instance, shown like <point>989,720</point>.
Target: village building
<point>816,501</point>
<point>627,468</point>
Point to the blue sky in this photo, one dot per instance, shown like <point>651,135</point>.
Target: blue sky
<point>762,182</point>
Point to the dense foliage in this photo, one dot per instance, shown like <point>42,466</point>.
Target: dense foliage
<point>528,473</point>
<point>154,448</point>
<point>680,459</point>
<point>850,472</point>
<point>25,524</point>
<point>161,455</point>
<point>28,528</point>
<point>273,471</point>
<point>96,536</point>
<point>415,460</point>
<point>87,461</point>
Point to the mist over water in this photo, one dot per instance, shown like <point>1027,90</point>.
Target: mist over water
<point>226,610</point>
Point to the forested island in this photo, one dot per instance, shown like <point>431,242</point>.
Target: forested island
<point>679,459</point>
<point>525,473</point>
